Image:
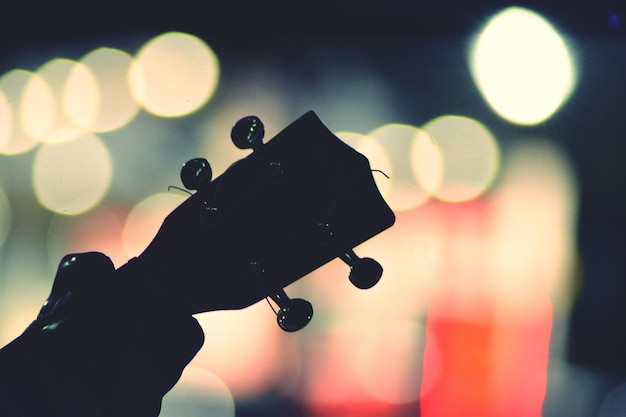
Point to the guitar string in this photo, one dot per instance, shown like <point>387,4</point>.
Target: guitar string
<point>169,188</point>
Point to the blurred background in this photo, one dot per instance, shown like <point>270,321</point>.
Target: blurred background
<point>500,127</point>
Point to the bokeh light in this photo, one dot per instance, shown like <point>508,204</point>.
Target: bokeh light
<point>72,177</point>
<point>145,219</point>
<point>97,94</point>
<point>389,148</point>
<point>508,261</point>
<point>198,393</point>
<point>522,66</point>
<point>534,218</point>
<point>174,74</point>
<point>411,271</point>
<point>16,138</point>
<point>470,158</point>
<point>263,97</point>
<point>377,156</point>
<point>43,114</point>
<point>6,120</point>
<point>99,230</point>
<point>6,217</point>
<point>37,107</point>
<point>388,360</point>
<point>253,334</point>
<point>427,162</point>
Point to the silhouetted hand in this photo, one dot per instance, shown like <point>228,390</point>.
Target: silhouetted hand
<point>95,349</point>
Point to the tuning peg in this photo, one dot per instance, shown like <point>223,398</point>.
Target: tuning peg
<point>364,272</point>
<point>294,313</point>
<point>248,133</point>
<point>194,172</point>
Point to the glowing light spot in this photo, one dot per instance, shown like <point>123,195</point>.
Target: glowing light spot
<point>6,120</point>
<point>44,112</point>
<point>478,363</point>
<point>411,276</point>
<point>522,66</point>
<point>427,162</point>
<point>198,393</point>
<point>470,158</point>
<point>534,253</point>
<point>6,217</point>
<point>71,178</point>
<point>145,219</point>
<point>388,149</point>
<point>389,361</point>
<point>264,99</point>
<point>174,74</point>
<point>16,140</point>
<point>97,95</point>
<point>37,107</point>
<point>273,362</point>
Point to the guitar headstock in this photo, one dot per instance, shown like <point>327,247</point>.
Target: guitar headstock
<point>294,204</point>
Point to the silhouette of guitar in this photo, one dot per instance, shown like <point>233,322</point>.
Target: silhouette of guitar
<point>292,205</point>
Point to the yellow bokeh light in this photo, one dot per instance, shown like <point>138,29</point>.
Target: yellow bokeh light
<point>427,162</point>
<point>71,178</point>
<point>145,219</point>
<point>264,100</point>
<point>377,156</point>
<point>470,158</point>
<point>42,104</point>
<point>81,96</point>
<point>6,217</point>
<point>174,74</point>
<point>16,140</point>
<point>97,95</point>
<point>37,107</point>
<point>522,66</point>
<point>388,148</point>
<point>6,120</point>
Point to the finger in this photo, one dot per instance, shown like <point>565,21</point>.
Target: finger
<point>76,273</point>
<point>81,271</point>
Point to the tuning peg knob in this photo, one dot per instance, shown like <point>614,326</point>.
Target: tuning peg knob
<point>293,314</point>
<point>364,272</point>
<point>248,133</point>
<point>194,172</point>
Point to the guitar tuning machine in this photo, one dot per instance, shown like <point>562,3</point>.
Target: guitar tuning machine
<point>248,133</point>
<point>293,313</point>
<point>364,272</point>
<point>195,172</point>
